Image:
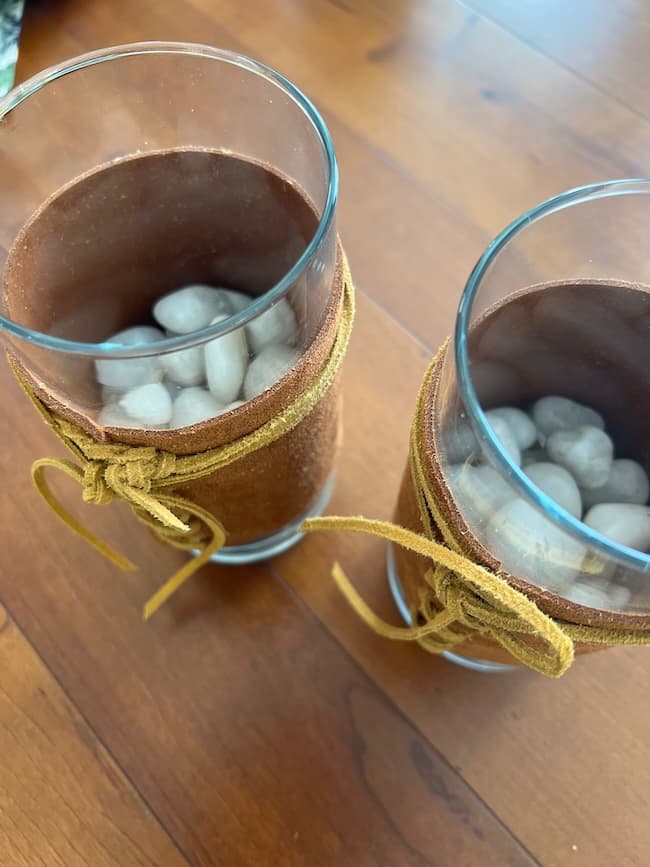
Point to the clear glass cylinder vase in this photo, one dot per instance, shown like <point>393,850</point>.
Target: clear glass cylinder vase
<point>538,427</point>
<point>136,171</point>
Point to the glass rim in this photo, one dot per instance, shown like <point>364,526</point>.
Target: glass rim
<point>477,418</point>
<point>105,349</point>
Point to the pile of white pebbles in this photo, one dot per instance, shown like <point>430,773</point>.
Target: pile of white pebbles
<point>192,385</point>
<point>563,447</point>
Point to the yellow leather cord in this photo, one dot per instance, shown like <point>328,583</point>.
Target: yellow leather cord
<point>461,598</point>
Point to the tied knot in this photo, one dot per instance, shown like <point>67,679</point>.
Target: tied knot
<point>94,487</point>
<point>466,604</point>
<point>449,592</point>
<point>120,472</point>
<point>116,470</point>
<point>460,598</point>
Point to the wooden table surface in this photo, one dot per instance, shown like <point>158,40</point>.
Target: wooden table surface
<point>254,721</point>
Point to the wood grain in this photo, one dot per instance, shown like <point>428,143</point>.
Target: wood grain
<point>253,737</point>
<point>63,800</point>
<point>531,748</point>
<point>486,123</point>
<point>258,719</point>
<point>604,43</point>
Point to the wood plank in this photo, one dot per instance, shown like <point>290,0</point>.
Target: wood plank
<point>549,757</point>
<point>407,250</point>
<point>63,800</point>
<point>606,43</point>
<point>250,733</point>
<point>484,121</point>
<point>530,749</point>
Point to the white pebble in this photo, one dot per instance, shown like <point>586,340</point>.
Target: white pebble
<point>271,364</point>
<point>624,523</point>
<point>112,415</point>
<point>480,490</point>
<point>619,596</point>
<point>194,405</point>
<point>559,413</point>
<point>185,367</point>
<point>150,405</point>
<point>276,325</point>
<point>627,483</point>
<point>558,484</point>
<point>506,437</point>
<point>238,300</point>
<point>461,444</point>
<point>173,388</point>
<point>606,598</point>
<point>532,547</point>
<point>226,361</point>
<point>519,423</point>
<point>586,452</point>
<point>234,405</point>
<point>127,372</point>
<point>191,308</point>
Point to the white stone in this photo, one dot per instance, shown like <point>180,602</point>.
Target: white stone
<point>271,364</point>
<point>276,325</point>
<point>112,415</point>
<point>480,491</point>
<point>627,483</point>
<point>185,367</point>
<point>619,596</point>
<point>506,437</point>
<point>531,547</point>
<point>194,405</point>
<point>234,405</point>
<point>520,424</point>
<point>150,405</point>
<point>586,452</point>
<point>605,598</point>
<point>191,308</point>
<point>461,444</point>
<point>226,362</point>
<point>534,455</point>
<point>173,388</point>
<point>238,300</point>
<point>558,484</point>
<point>624,523</point>
<point>136,334</point>
<point>560,413</point>
<point>125,373</point>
